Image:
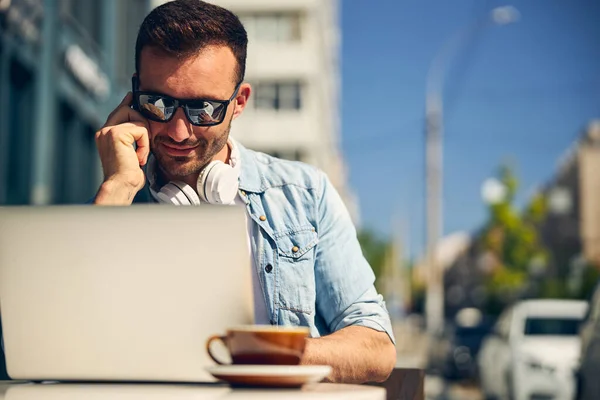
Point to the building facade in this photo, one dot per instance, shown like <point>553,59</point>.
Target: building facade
<point>64,64</point>
<point>589,178</point>
<point>293,67</point>
<point>571,230</point>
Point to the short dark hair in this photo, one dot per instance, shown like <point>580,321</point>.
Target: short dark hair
<point>182,28</point>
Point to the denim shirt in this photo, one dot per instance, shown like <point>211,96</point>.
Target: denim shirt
<point>310,264</point>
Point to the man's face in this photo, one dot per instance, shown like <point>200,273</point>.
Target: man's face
<point>181,148</point>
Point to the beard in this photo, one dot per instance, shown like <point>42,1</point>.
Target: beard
<point>204,152</point>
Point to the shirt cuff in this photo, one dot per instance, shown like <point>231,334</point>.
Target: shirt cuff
<point>376,326</point>
<point>368,310</point>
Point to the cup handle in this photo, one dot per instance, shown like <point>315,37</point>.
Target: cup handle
<point>223,340</point>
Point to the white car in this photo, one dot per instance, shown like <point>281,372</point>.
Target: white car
<point>589,359</point>
<point>533,351</point>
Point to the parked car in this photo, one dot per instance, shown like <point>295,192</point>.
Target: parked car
<point>533,351</point>
<point>464,344</point>
<point>452,353</point>
<point>588,381</point>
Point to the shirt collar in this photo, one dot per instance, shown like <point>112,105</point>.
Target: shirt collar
<point>251,178</point>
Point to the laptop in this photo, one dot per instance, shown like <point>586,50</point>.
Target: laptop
<point>120,293</point>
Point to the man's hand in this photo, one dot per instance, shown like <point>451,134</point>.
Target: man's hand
<point>121,162</point>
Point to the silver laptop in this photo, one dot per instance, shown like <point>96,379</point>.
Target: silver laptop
<point>120,293</point>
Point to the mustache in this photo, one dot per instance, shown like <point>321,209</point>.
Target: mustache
<point>190,142</point>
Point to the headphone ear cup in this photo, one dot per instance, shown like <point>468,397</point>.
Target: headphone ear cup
<point>221,184</point>
<point>201,186</point>
<point>218,182</point>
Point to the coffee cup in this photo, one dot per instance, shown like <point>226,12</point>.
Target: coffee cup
<point>261,345</point>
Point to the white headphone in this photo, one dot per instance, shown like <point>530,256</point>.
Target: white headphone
<point>218,183</point>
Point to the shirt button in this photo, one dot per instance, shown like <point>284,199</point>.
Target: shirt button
<point>242,192</point>
<point>262,218</point>
<point>269,268</point>
<point>295,249</point>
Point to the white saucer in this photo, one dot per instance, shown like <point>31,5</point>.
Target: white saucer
<point>270,375</point>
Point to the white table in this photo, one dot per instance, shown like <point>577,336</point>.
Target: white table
<point>55,391</point>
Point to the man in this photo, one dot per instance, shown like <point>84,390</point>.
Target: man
<point>171,134</point>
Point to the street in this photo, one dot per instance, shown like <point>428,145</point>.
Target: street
<point>412,347</point>
<point>437,389</point>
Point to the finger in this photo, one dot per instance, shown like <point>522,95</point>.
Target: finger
<point>128,133</point>
<point>143,149</point>
<point>142,141</point>
<point>125,114</point>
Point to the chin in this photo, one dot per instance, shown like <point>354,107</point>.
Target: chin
<point>180,167</point>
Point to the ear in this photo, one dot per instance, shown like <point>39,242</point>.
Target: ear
<point>241,100</point>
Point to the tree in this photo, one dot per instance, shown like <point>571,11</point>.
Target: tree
<point>374,249</point>
<point>393,278</point>
<point>511,237</point>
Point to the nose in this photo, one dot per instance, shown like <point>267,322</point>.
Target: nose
<point>180,128</point>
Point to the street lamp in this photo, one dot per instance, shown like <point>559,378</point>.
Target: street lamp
<point>434,305</point>
<point>493,191</point>
<point>560,201</point>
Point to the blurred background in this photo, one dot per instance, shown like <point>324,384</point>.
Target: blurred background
<point>464,137</point>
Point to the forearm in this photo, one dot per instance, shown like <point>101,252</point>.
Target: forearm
<point>115,193</point>
<point>357,354</point>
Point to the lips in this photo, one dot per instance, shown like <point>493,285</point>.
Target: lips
<point>178,151</point>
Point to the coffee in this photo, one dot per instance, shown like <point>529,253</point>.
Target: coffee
<point>261,345</point>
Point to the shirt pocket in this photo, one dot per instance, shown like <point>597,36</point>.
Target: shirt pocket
<point>295,275</point>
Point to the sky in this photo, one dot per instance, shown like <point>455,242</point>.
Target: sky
<point>518,94</point>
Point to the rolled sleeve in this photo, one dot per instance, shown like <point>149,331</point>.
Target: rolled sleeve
<point>369,311</point>
<point>344,279</point>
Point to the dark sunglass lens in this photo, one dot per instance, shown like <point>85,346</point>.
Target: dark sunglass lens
<point>156,107</point>
<point>204,112</point>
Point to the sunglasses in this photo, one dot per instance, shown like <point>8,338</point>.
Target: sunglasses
<point>161,108</point>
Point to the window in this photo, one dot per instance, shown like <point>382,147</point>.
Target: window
<point>278,95</point>
<point>76,158</point>
<point>24,18</point>
<point>289,96</point>
<point>88,17</point>
<point>20,134</point>
<point>265,96</point>
<point>129,16</point>
<point>298,155</point>
<point>273,27</point>
<point>291,155</point>
<point>552,326</point>
<point>266,28</point>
